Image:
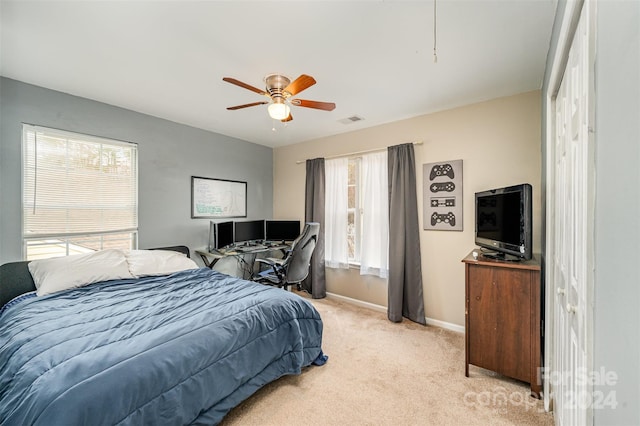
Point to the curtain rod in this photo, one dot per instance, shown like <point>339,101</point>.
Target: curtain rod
<point>349,154</point>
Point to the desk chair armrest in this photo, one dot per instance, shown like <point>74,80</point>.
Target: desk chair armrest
<point>269,262</point>
<point>275,266</point>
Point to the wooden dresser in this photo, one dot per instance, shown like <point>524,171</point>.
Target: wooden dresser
<point>502,318</point>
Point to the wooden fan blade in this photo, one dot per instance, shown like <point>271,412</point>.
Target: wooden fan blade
<point>289,118</point>
<point>299,84</point>
<point>233,108</point>
<point>325,106</point>
<point>245,85</point>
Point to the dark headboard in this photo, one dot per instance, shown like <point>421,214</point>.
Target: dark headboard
<point>182,249</point>
<point>15,278</point>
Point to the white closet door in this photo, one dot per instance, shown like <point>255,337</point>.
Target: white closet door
<point>571,194</point>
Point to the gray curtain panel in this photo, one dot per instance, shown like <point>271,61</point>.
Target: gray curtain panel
<point>315,283</point>
<point>405,271</point>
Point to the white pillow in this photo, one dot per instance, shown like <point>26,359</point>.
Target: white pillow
<point>62,273</point>
<point>144,263</point>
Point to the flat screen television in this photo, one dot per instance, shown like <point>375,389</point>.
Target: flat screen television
<point>220,234</point>
<point>503,222</point>
<point>250,230</point>
<point>282,230</point>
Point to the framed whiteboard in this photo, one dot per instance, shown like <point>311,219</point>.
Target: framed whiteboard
<point>213,198</point>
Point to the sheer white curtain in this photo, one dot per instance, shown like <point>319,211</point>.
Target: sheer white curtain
<point>336,251</point>
<point>374,248</point>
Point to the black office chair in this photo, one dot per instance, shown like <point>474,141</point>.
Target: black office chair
<point>294,267</point>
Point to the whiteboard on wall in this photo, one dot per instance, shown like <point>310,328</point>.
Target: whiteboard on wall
<point>217,198</point>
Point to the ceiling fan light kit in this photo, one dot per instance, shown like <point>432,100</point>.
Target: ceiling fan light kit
<point>279,110</point>
<point>279,89</point>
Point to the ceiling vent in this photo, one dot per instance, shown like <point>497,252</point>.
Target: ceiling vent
<point>351,119</point>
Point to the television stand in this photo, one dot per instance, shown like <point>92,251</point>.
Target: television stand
<point>503,326</point>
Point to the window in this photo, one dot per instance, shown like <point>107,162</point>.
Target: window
<point>354,229</point>
<point>80,193</point>
<point>357,213</point>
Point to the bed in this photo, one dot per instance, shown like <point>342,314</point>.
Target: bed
<point>183,348</point>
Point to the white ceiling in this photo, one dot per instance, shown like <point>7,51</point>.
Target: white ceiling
<point>373,59</point>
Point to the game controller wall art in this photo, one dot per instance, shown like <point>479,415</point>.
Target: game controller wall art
<point>442,187</point>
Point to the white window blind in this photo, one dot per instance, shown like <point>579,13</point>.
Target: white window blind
<point>80,193</point>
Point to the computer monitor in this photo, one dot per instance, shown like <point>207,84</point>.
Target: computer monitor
<point>285,230</point>
<point>249,231</point>
<point>220,234</point>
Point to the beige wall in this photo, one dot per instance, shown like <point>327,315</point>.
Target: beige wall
<point>499,143</point>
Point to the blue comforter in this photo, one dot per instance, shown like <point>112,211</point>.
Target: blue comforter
<point>182,349</point>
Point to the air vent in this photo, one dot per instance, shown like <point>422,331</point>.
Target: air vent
<point>351,119</point>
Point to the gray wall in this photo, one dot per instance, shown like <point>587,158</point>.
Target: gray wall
<point>169,154</point>
<point>617,210</point>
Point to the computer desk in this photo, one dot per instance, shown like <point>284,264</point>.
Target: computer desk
<point>245,253</point>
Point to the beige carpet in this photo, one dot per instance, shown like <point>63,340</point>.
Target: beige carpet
<point>382,373</point>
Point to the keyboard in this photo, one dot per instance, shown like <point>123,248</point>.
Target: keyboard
<point>250,248</point>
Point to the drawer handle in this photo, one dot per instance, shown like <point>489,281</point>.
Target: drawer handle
<point>571,309</point>
<point>561,291</point>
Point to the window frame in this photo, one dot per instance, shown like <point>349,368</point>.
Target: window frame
<point>64,241</point>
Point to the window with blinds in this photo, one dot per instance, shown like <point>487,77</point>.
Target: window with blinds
<point>80,193</point>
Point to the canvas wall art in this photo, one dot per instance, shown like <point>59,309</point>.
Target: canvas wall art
<point>442,202</point>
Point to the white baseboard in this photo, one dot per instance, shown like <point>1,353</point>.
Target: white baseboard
<point>383,309</point>
<point>446,325</point>
<point>378,308</point>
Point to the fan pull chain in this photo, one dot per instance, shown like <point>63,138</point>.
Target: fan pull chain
<point>435,55</point>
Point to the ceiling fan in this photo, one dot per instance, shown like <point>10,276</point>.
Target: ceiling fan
<point>279,89</point>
